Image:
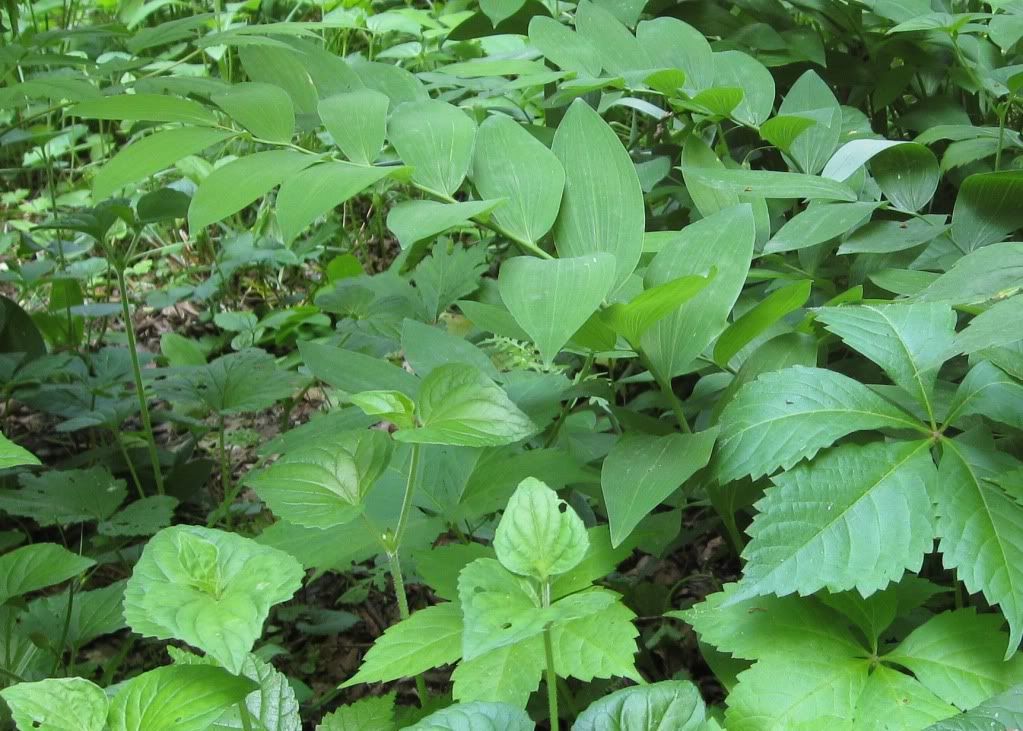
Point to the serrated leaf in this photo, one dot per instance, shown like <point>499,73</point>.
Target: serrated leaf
<point>61,497</point>
<point>357,121</point>
<point>989,391</point>
<point>92,614</point>
<point>37,566</point>
<point>144,517</point>
<point>509,674</point>
<point>670,704</point>
<point>598,645</point>
<point>478,716</point>
<point>539,535</point>
<point>265,110</point>
<point>368,714</point>
<point>176,698</point>
<point>895,700</point>
<point>909,341</point>
<point>460,406</point>
<point>11,455</point>
<point>208,588</point>
<point>602,209</point>
<point>57,704</point>
<point>428,639</point>
<point>436,139</point>
<point>788,415</point>
<point>1001,713</point>
<point>324,484</point>
<point>857,517</point>
<point>448,275</point>
<point>499,608</point>
<point>641,471</point>
<point>958,656</point>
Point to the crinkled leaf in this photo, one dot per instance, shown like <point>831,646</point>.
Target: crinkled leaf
<point>670,704</point>
<point>57,704</point>
<point>478,716</point>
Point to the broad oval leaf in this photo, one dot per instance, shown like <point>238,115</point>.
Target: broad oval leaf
<point>818,224</point>
<point>564,47</point>
<point>264,110</point>
<point>811,97</point>
<point>37,566</point>
<point>476,716</point>
<point>737,69</point>
<point>418,220</point>
<point>437,140</point>
<point>357,120</point>
<point>670,704</point>
<point>673,44</point>
<point>987,209</point>
<point>208,588</point>
<point>57,704</point>
<point>988,273</point>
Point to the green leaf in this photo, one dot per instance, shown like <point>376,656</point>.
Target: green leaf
<point>428,639</point>
<point>92,614</point>
<point>987,209</point>
<point>907,174</point>
<point>909,341</point>
<point>145,107</point>
<point>478,716</point>
<point>980,528</point>
<point>992,328</point>
<point>598,645</point>
<point>619,50</point>
<point>958,656</point>
<point>11,455</point>
<point>413,221</point>
<point>499,608</point>
<point>37,566</point>
<point>552,299</point>
<point>392,406</point>
<point>509,674</point>
<point>771,184</point>
<point>990,392</point>
<point>736,69</point>
<point>895,700</point>
<point>670,704</point>
<point>563,47</point>
<point>354,372</point>
<point>991,272</point>
<point>633,319</point>
<point>357,121</point>
<point>374,713</point>
<point>264,110</point>
<point>884,237</point>
<point>208,588</point>
<point>65,497</point>
<point>672,44</point>
<point>642,471</point>
<point>857,517</point>
<point>1001,713</point>
<point>231,187</point>
<point>144,517</point>
<point>427,347</point>
<point>181,351</point>
<point>309,193</point>
<point>176,698</point>
<point>811,97</point>
<point>818,224</point>
<point>499,10</point>
<point>325,483</point>
<point>788,415</point>
<point>57,704</point>
<point>602,209</point>
<point>460,406</point>
<point>151,154</point>
<point>782,130</point>
<point>509,162</point>
<point>759,318</point>
<point>539,535</point>
<point>436,139</point>
<point>723,242</point>
<point>449,274</point>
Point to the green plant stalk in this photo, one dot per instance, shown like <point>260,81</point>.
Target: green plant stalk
<point>243,711</point>
<point>131,465</point>
<point>548,651</point>
<point>140,391</point>
<point>59,650</point>
<point>665,385</point>
<point>225,469</point>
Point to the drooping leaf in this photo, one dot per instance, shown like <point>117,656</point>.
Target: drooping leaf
<point>264,110</point>
<point>759,318</point>
<point>57,704</point>
<point>788,415</point>
<point>674,704</point>
<point>633,319</point>
<point>413,221</point>
<point>37,566</point>
<point>437,140</point>
<point>209,588</point>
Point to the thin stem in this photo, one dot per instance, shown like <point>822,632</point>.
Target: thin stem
<point>243,711</point>
<point>583,374</point>
<point>666,390</point>
<point>225,468</point>
<point>552,678</point>
<point>64,632</point>
<point>140,391</point>
<point>406,502</point>
<point>127,461</point>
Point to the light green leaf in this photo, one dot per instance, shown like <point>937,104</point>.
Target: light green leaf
<point>641,471</point>
<point>771,184</point>
<point>563,47</point>
<point>357,120</point>
<point>151,154</point>
<point>264,110</point>
<point>788,415</point>
<point>1001,713</point>
<point>539,535</point>
<point>354,372</point>
<point>413,221</point>
<point>858,517</point>
<point>428,639</point>
<point>736,69</point>
<point>60,497</point>
<point>373,713</point>
<point>992,328</point>
<point>670,704</point>
<point>11,455</point>
<point>993,271</point>
<point>231,187</point>
<point>987,209</point>
<point>818,224</point>
<point>633,319</point>
<point>909,341</point>
<point>884,237</point>
<point>145,107</point>
<point>552,299</point>
<point>759,318</point>
<point>37,566</point>
<point>598,645</point>
<point>509,674</point>
<point>723,242</point>
<point>980,528</point>
<point>958,656</point>
<point>436,139</point>
<point>325,483</point>
<point>309,193</point>
<point>176,698</point>
<point>208,588</point>
<point>392,406</point>
<point>602,209</point>
<point>460,406</point>
<point>782,130</point>
<point>57,704</point>
<point>499,608</point>
<point>510,163</point>
<point>811,97</point>
<point>619,50</point>
<point>478,716</point>
<point>895,700</point>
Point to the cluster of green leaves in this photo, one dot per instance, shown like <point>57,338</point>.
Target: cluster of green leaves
<point>748,266</point>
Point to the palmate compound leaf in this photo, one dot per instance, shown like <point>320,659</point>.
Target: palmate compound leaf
<point>980,528</point>
<point>208,588</point>
<point>857,517</point>
<point>324,484</point>
<point>57,704</point>
<point>459,405</point>
<point>788,415</point>
<point>670,704</point>
<point>478,716</point>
